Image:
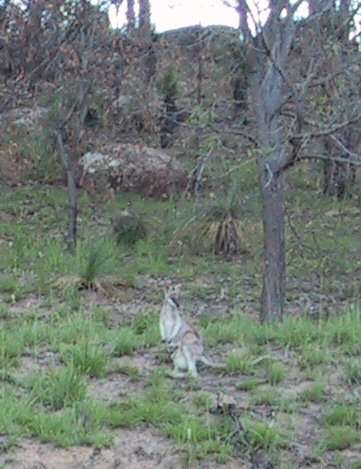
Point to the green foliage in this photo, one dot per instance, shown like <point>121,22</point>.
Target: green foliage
<point>214,226</point>
<point>201,116</point>
<point>168,84</point>
<point>223,206</point>
<point>38,145</point>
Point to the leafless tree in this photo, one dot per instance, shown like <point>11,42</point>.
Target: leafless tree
<point>54,44</point>
<point>283,132</point>
<point>268,59</point>
<point>130,15</point>
<point>144,16</point>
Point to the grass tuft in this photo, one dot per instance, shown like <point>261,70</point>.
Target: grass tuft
<point>316,392</point>
<point>59,388</point>
<point>263,436</point>
<point>275,372</point>
<point>340,438</point>
<point>352,371</point>
<point>239,362</point>
<point>124,342</point>
<point>86,358</point>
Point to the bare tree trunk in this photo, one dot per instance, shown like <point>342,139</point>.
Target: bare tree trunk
<point>242,10</point>
<point>274,256</point>
<point>200,78</point>
<point>144,16</point>
<point>267,90</point>
<point>130,15</point>
<point>71,237</point>
<point>272,191</point>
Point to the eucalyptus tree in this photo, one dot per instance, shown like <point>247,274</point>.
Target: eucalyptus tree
<point>286,120</point>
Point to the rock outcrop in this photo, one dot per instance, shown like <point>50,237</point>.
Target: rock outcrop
<point>134,168</point>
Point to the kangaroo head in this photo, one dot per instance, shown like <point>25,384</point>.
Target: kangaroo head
<point>172,296</point>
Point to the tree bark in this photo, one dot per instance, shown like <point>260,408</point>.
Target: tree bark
<point>270,136</point>
<point>242,10</point>
<point>274,257</point>
<point>144,16</point>
<point>130,15</point>
<point>268,57</point>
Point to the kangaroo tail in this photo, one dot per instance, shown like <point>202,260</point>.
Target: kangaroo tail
<point>207,361</point>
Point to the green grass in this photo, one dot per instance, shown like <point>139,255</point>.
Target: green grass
<point>59,388</point>
<point>340,437</point>
<point>265,396</point>
<point>263,436</point>
<point>160,407</point>
<point>74,328</point>
<point>96,258</point>
<point>316,392</point>
<point>356,465</point>
<point>124,342</point>
<point>11,347</point>
<point>275,372</point>
<point>229,331</point>
<point>202,400</point>
<point>300,333</point>
<point>54,406</point>
<point>343,414</point>
<point>35,333</point>
<point>86,358</point>
<point>248,384</point>
<point>76,425</point>
<point>312,356</point>
<point>124,369</point>
<point>239,362</point>
<point>5,313</point>
<point>146,326</point>
<point>352,371</point>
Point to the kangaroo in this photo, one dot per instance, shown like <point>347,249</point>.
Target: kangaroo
<point>170,320</point>
<point>183,341</point>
